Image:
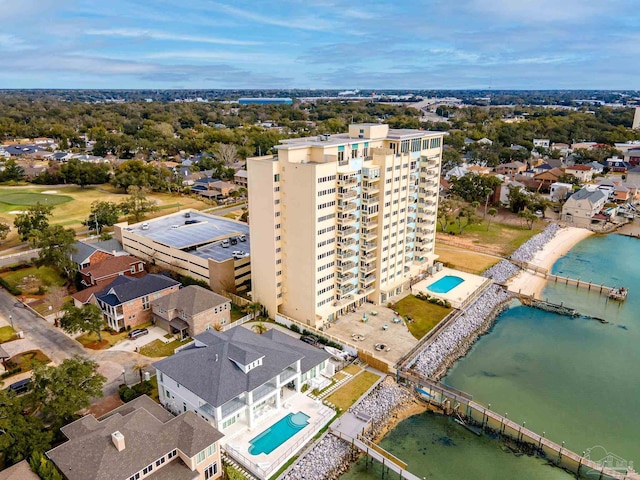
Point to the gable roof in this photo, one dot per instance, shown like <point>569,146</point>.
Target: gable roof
<point>129,288</point>
<point>592,196</point>
<point>242,174</point>
<point>192,300</point>
<point>149,433</point>
<point>84,250</point>
<point>583,168</point>
<point>19,471</point>
<point>111,266</point>
<point>208,368</point>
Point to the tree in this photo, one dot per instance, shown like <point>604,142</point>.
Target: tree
<point>529,217</point>
<point>140,174</point>
<point>518,199</point>
<point>446,210</point>
<point>226,153</point>
<point>103,214</point>
<point>85,319</point>
<point>492,213</point>
<point>254,308</point>
<point>137,205</point>
<point>33,221</point>
<point>84,173</point>
<point>12,171</point>
<point>56,246</point>
<point>259,328</point>
<point>20,434</point>
<point>474,188</point>
<point>4,231</point>
<point>43,467</point>
<point>569,178</point>
<point>467,216</point>
<point>60,392</point>
<point>139,367</point>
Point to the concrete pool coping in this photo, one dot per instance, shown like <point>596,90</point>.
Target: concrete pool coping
<point>457,295</point>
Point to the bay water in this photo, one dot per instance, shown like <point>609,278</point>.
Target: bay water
<point>576,379</point>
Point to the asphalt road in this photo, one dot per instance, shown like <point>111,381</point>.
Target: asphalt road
<point>58,346</point>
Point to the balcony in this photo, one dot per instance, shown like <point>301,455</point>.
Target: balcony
<point>371,189</point>
<point>369,289</point>
<point>408,258</point>
<point>347,181</point>
<point>346,277</point>
<point>343,232</point>
<point>368,280</point>
<point>347,219</point>
<point>368,247</point>
<point>370,201</point>
<point>411,220</point>
<point>345,195</point>
<point>346,266</point>
<point>368,257</point>
<point>371,175</point>
<point>346,242</point>
<point>230,407</point>
<point>346,207</point>
<point>345,289</point>
<point>369,225</point>
<point>369,236</point>
<point>369,214</point>
<point>368,268</point>
<point>263,391</point>
<point>286,376</point>
<point>346,254</point>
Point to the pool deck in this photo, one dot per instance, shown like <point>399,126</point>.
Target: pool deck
<point>238,437</point>
<point>457,295</point>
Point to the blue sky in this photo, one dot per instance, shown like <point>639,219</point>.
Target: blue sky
<point>412,44</point>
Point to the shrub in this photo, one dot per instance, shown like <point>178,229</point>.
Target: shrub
<point>10,372</point>
<point>126,393</point>
<point>186,281</point>
<point>143,388</point>
<point>15,291</point>
<point>304,388</point>
<point>294,328</point>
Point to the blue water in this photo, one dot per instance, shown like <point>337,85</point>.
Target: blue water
<point>445,284</point>
<point>278,433</point>
<point>576,379</point>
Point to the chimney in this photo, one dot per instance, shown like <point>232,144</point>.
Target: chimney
<point>118,440</point>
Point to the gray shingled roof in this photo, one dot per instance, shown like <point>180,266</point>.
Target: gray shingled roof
<point>85,250</point>
<point>209,372</point>
<point>591,195</point>
<point>149,433</point>
<point>129,288</point>
<point>192,299</point>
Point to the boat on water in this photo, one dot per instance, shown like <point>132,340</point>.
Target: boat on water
<point>619,293</point>
<point>335,353</point>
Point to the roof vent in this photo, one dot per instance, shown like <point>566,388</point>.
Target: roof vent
<point>118,440</point>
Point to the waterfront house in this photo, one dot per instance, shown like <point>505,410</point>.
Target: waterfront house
<point>581,207</point>
<point>230,377</point>
<point>191,310</point>
<point>558,191</point>
<point>139,440</point>
<point>126,302</point>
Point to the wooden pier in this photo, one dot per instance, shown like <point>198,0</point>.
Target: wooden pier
<point>464,407</point>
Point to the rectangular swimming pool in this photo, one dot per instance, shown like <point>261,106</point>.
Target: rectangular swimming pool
<point>278,433</point>
<point>445,284</point>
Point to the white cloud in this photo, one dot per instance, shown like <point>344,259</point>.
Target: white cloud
<point>311,22</point>
<point>156,35</point>
<point>532,11</point>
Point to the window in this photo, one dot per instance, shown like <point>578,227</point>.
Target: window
<point>167,393</point>
<point>145,302</point>
<point>160,461</point>
<point>435,143</point>
<point>200,456</point>
<point>147,469</point>
<point>135,477</point>
<point>340,156</point>
<point>276,177</point>
<point>211,471</point>
<point>211,449</point>
<point>133,269</point>
<point>172,454</point>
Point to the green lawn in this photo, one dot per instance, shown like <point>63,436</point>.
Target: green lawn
<point>351,391</point>
<point>28,199</point>
<point>236,313</point>
<point>26,360</point>
<point>425,315</point>
<point>6,333</point>
<point>44,276</point>
<point>90,340</point>
<point>159,349</point>
<point>503,238</point>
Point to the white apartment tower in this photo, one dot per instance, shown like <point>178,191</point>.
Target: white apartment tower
<point>337,220</point>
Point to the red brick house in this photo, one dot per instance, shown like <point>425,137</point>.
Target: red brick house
<point>110,268</point>
<point>126,302</point>
<point>86,254</point>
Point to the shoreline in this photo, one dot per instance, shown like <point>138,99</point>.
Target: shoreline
<point>529,283</point>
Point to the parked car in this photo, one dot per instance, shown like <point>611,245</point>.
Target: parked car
<point>138,332</point>
<point>225,243</point>
<point>20,387</point>
<point>310,340</point>
<point>242,237</point>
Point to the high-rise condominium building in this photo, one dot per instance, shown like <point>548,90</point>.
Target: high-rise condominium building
<point>337,220</point>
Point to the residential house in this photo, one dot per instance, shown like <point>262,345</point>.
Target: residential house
<point>485,141</point>
<point>216,189</point>
<point>457,171</point>
<point>555,162</point>
<point>241,178</point>
<point>501,193</point>
<point>139,440</point>
<point>191,310</point>
<point>511,168</point>
<point>126,302</point>
<point>85,254</point>
<point>617,164</point>
<point>110,268</point>
<point>581,207</point>
<point>563,148</point>
<point>584,173</point>
<point>479,169</point>
<point>598,168</point>
<point>633,175</point>
<point>632,156</point>
<point>61,157</point>
<point>543,167</point>
<point>542,143</point>
<point>226,377</point>
<point>626,146</point>
<point>621,194</point>
<point>19,471</point>
<point>543,181</point>
<point>583,145</point>
<point>558,191</point>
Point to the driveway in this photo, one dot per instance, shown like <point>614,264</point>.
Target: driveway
<point>16,347</point>
<point>155,333</point>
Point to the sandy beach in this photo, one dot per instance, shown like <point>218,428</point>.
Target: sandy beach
<point>529,283</point>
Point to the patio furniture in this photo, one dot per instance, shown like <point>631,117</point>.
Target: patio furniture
<point>385,326</point>
<point>373,312</point>
<point>396,320</point>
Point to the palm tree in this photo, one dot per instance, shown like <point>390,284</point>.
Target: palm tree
<point>139,367</point>
<point>492,213</point>
<point>254,308</point>
<point>259,328</point>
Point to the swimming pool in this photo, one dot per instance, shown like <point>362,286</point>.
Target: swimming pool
<point>278,433</point>
<point>445,284</point>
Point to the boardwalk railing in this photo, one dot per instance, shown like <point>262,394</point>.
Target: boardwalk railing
<point>489,419</point>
